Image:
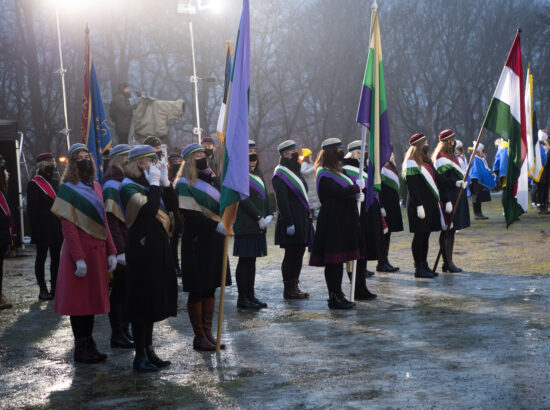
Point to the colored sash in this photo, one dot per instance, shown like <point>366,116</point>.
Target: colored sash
<point>132,197</point>
<point>446,162</point>
<point>340,179</point>
<point>257,185</point>
<point>81,205</point>
<point>45,186</point>
<point>390,177</point>
<point>6,209</point>
<point>201,197</point>
<point>482,173</point>
<point>294,183</point>
<point>111,198</point>
<point>353,173</point>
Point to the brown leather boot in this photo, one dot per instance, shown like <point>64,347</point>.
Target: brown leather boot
<point>292,291</point>
<point>4,303</point>
<point>208,307</point>
<point>200,342</point>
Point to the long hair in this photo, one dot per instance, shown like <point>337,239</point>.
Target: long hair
<point>416,154</point>
<point>328,158</point>
<point>132,170</point>
<point>445,147</point>
<point>71,171</point>
<point>118,162</point>
<point>188,170</point>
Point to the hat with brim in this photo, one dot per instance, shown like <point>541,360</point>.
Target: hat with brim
<point>286,145</point>
<point>352,146</point>
<point>416,138</point>
<point>45,156</point>
<point>120,149</point>
<point>251,144</point>
<point>208,140</point>
<point>142,151</point>
<point>191,149</point>
<point>446,134</point>
<point>174,156</point>
<point>331,143</point>
<point>77,147</point>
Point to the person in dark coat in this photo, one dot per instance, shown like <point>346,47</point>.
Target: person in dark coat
<point>6,227</point>
<point>449,181</point>
<point>45,226</point>
<point>338,234</point>
<point>112,178</point>
<point>151,284</point>
<point>202,243</point>
<point>391,210</point>
<point>121,112</point>
<point>209,145</point>
<point>250,228</point>
<point>539,192</point>
<point>423,202</point>
<point>174,163</point>
<point>294,228</point>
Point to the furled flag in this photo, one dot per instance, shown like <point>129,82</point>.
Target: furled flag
<point>222,119</point>
<point>506,118</point>
<point>534,153</point>
<point>235,179</point>
<point>95,131</point>
<point>372,112</point>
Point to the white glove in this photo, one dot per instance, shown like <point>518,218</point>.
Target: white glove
<point>152,175</point>
<point>383,212</point>
<point>360,183</point>
<point>420,212</point>
<point>263,222</point>
<point>81,268</point>
<point>221,229</point>
<point>462,184</point>
<point>448,208</point>
<point>360,197</point>
<point>290,230</point>
<point>121,259</point>
<point>165,182</point>
<point>111,263</point>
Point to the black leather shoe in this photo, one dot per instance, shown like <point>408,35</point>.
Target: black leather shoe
<point>427,267</point>
<point>451,267</point>
<point>121,341</point>
<point>368,273</point>
<point>261,304</point>
<point>365,295</point>
<point>245,303</point>
<point>422,272</point>
<point>142,364</point>
<point>337,301</point>
<point>395,268</point>
<point>153,358</point>
<point>126,331</point>
<point>385,267</point>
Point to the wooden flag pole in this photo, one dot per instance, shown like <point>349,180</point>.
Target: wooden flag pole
<point>459,196</point>
<point>222,294</point>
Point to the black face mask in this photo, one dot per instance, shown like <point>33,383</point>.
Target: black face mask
<point>201,163</point>
<point>49,169</point>
<point>84,167</point>
<point>209,152</point>
<point>294,156</point>
<point>174,168</point>
<point>253,157</point>
<point>426,149</point>
<point>340,155</point>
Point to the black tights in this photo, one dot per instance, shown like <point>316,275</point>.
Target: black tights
<point>477,207</point>
<point>292,263</point>
<point>82,326</point>
<point>333,276</point>
<point>40,261</point>
<point>195,297</point>
<point>143,337</point>
<point>385,248</point>
<point>420,244</point>
<point>246,275</point>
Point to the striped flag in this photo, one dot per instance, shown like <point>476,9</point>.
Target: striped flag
<point>372,112</point>
<point>235,175</point>
<point>534,154</point>
<point>506,118</point>
<point>222,119</point>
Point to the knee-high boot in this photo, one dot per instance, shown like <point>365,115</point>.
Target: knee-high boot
<point>200,341</point>
<point>208,307</point>
<point>449,247</point>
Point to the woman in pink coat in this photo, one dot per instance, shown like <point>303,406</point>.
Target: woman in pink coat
<point>87,255</point>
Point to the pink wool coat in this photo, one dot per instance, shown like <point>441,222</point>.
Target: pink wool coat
<point>88,295</point>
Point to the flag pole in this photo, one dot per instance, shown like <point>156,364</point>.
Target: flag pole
<point>61,73</point>
<point>455,206</point>
<point>361,168</point>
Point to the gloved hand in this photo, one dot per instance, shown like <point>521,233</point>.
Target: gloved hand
<point>111,263</point>
<point>263,222</point>
<point>121,259</point>
<point>220,229</point>
<point>360,183</point>
<point>383,212</point>
<point>448,207</point>
<point>360,197</point>
<point>152,175</point>
<point>165,182</point>
<point>462,184</point>
<point>420,212</point>
<point>290,230</point>
<point>81,268</point>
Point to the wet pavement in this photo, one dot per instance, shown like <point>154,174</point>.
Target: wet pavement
<point>478,339</point>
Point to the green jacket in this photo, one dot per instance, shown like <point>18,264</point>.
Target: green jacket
<point>250,211</point>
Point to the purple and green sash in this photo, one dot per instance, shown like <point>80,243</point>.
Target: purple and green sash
<point>81,205</point>
<point>45,186</point>
<point>256,183</point>
<point>200,197</point>
<point>340,179</point>
<point>111,198</point>
<point>294,183</point>
<point>132,197</point>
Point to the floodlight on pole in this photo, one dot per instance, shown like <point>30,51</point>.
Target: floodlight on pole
<point>61,73</point>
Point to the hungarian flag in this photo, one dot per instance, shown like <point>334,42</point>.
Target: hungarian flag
<point>235,179</point>
<point>506,118</point>
<point>534,153</point>
<point>222,119</point>
<point>372,112</point>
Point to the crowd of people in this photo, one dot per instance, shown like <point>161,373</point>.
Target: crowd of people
<point>115,248</point>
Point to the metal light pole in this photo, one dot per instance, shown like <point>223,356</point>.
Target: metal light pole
<point>61,72</point>
<point>197,130</point>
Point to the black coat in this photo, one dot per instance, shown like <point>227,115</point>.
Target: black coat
<point>418,193</point>
<point>250,211</point>
<point>389,200</point>
<point>121,112</point>
<point>338,235</point>
<point>291,211</point>
<point>152,288</point>
<point>45,226</point>
<point>5,224</point>
<point>448,192</point>
<point>201,250</point>
<point>479,191</point>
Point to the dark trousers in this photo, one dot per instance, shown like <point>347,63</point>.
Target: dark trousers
<point>40,262</point>
<point>3,251</point>
<point>385,248</point>
<point>419,247</point>
<point>246,276</point>
<point>143,336</point>
<point>82,326</point>
<point>116,299</point>
<point>477,205</point>
<point>333,276</point>
<point>292,263</point>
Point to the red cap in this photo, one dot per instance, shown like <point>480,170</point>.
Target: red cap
<point>207,140</point>
<point>416,137</point>
<point>44,156</point>
<point>446,134</point>
<point>174,155</point>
